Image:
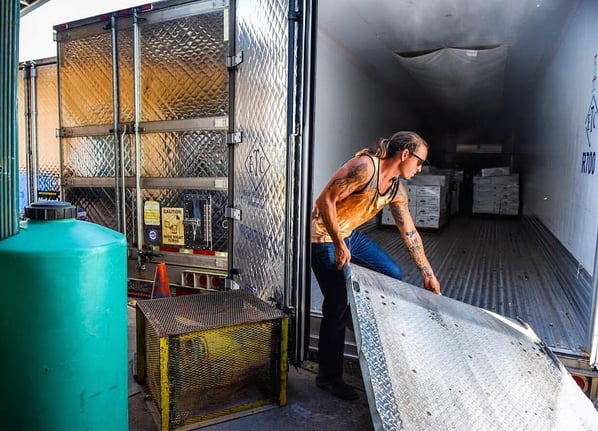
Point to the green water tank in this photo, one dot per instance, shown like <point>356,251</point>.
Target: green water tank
<point>63,324</point>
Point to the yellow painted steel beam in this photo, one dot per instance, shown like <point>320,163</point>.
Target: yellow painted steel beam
<point>164,385</point>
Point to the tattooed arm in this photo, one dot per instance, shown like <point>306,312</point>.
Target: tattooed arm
<point>399,208</point>
<point>352,176</point>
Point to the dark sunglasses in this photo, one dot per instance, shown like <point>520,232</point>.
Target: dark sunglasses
<point>421,161</point>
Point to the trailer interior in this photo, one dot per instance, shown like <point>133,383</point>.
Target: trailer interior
<point>487,84</point>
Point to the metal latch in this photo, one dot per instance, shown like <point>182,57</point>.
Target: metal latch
<point>233,138</point>
<point>233,213</point>
<point>234,60</point>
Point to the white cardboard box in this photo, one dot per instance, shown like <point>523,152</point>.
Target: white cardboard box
<point>491,172</point>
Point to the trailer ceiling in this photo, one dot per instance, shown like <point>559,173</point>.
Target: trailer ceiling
<point>509,42</point>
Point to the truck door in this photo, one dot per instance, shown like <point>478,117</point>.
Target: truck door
<point>143,119</point>
<point>182,125</point>
<point>269,136</point>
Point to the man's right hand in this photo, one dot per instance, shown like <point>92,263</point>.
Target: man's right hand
<point>342,255</point>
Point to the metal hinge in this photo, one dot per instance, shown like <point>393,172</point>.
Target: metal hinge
<point>233,138</point>
<point>233,213</point>
<point>234,60</point>
<point>230,284</point>
<point>290,310</point>
<point>294,15</point>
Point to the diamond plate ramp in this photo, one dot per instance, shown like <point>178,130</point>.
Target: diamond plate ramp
<point>433,363</point>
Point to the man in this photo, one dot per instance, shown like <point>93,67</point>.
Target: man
<point>355,193</point>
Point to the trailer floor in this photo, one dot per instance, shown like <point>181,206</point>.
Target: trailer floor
<point>307,408</point>
<point>510,265</point>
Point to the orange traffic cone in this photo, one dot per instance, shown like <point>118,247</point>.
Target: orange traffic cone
<point>161,288</point>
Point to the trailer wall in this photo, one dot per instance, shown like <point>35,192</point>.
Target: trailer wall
<point>354,107</point>
<point>558,151</point>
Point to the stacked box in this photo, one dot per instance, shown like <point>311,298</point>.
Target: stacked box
<point>433,197</point>
<point>210,357</point>
<point>429,201</point>
<point>495,172</point>
<point>387,218</point>
<point>432,200</point>
<point>496,194</point>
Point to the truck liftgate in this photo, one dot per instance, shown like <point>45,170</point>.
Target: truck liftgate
<point>431,362</point>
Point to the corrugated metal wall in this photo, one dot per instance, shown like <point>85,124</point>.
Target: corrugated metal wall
<point>9,32</point>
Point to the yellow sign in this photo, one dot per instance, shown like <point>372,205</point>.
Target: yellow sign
<point>151,213</point>
<point>173,229</point>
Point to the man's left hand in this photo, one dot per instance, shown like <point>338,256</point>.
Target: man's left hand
<point>432,284</point>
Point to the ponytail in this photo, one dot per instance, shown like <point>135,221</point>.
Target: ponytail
<point>388,147</point>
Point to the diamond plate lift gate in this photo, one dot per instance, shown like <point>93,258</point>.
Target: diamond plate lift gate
<point>433,363</point>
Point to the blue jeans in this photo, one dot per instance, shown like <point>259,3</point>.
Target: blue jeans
<point>364,252</point>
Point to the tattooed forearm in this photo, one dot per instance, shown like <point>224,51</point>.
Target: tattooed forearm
<point>357,175</point>
<point>397,214</point>
<point>416,249</point>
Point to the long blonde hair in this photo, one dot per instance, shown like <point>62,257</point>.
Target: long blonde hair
<point>388,147</point>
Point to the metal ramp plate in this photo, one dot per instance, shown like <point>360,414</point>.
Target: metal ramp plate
<point>433,363</point>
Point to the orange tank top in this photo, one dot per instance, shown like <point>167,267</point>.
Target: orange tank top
<point>359,207</point>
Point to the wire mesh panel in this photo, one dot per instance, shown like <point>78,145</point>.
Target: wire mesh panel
<point>38,121</point>
<point>98,203</point>
<point>185,154</point>
<point>86,80</point>
<point>205,357</point>
<point>184,68</point>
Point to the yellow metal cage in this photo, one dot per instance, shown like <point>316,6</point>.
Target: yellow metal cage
<point>207,358</point>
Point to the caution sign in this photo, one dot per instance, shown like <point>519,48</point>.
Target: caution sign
<point>151,213</point>
<point>173,231</point>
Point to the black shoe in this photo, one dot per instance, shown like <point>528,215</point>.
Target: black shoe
<point>339,389</point>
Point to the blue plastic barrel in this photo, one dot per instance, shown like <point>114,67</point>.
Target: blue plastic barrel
<point>63,324</point>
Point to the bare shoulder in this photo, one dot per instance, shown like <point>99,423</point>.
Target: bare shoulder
<point>358,170</point>
<point>361,163</point>
<point>351,176</point>
<point>402,196</point>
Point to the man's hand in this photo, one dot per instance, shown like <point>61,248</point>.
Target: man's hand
<point>342,255</point>
<point>432,284</point>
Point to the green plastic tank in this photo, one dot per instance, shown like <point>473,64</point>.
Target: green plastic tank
<point>63,324</point>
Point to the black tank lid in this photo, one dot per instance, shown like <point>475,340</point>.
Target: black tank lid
<point>50,210</point>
